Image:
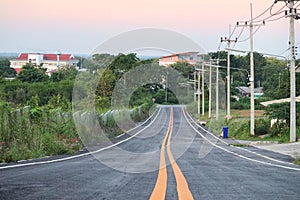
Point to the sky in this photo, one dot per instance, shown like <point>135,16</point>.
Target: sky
<point>79,26</point>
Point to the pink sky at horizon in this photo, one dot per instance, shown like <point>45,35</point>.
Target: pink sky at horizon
<point>79,26</point>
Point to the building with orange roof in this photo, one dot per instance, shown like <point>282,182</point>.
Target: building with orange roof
<point>189,57</point>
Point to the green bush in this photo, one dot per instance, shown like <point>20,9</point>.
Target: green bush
<point>242,104</point>
<point>262,126</point>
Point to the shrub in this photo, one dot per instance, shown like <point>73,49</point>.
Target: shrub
<point>262,126</point>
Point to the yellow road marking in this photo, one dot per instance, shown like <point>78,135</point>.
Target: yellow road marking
<point>159,191</point>
<point>183,190</point>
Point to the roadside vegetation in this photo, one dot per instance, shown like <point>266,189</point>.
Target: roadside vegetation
<point>273,76</point>
<point>36,113</point>
<point>297,161</point>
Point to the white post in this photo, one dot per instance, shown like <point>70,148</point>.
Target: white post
<point>203,112</point>
<point>210,92</point>
<point>217,92</point>
<point>195,94</point>
<point>228,82</point>
<point>198,92</point>
<point>292,74</point>
<point>252,125</point>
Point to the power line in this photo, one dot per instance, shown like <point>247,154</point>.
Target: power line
<point>240,34</point>
<point>286,5</point>
<point>264,12</point>
<point>289,49</point>
<point>272,15</point>
<point>249,36</point>
<point>278,18</point>
<point>232,31</point>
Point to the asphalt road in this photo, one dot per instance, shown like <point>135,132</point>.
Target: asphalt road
<point>198,166</point>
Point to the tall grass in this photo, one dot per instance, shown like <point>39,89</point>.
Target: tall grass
<point>34,132</point>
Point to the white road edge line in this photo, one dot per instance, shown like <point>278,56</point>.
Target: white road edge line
<point>88,153</point>
<point>236,154</point>
<point>240,148</point>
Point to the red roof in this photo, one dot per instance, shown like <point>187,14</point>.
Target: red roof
<point>62,57</point>
<point>177,54</point>
<point>17,70</point>
<point>23,56</point>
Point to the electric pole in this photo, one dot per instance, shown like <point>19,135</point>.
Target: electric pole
<point>215,61</point>
<point>198,91</point>
<point>195,95</point>
<point>292,14</point>
<point>210,94</point>
<point>251,78</point>
<point>229,41</point>
<point>203,111</point>
<point>252,104</point>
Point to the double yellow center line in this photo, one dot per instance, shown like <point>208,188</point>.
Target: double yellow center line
<point>159,191</point>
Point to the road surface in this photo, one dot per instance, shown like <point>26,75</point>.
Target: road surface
<point>185,162</point>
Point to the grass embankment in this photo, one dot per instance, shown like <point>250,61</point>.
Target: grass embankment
<point>239,126</point>
<point>37,132</point>
<point>33,132</point>
<point>297,161</point>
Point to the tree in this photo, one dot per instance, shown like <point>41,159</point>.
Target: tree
<point>106,84</point>
<point>98,61</point>
<point>5,70</point>
<point>275,77</point>
<point>123,63</point>
<point>64,73</point>
<point>259,64</point>
<point>184,68</point>
<point>31,73</point>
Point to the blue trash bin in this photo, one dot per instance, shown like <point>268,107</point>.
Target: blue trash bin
<point>225,132</point>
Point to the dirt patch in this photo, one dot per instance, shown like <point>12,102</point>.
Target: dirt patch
<point>246,113</point>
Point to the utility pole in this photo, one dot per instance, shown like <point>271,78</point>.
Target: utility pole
<point>251,78</point>
<point>195,95</point>
<point>210,94</point>
<point>292,14</point>
<point>229,41</point>
<point>215,61</point>
<point>217,92</point>
<point>292,74</point>
<point>252,104</point>
<point>203,111</point>
<point>166,89</point>
<point>198,92</point>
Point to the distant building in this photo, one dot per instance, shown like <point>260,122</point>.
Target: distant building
<point>49,61</point>
<point>245,92</point>
<point>189,57</point>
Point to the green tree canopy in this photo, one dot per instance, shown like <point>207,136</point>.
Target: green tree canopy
<point>5,70</point>
<point>184,68</point>
<point>31,73</point>
<point>64,73</point>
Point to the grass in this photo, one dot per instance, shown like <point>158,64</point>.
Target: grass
<point>239,126</point>
<point>240,129</point>
<point>297,161</point>
<point>33,132</point>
